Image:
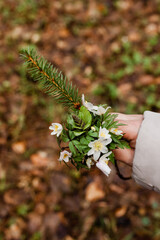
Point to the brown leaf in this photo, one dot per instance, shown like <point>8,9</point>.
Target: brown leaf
<point>19,147</point>
<point>68,238</point>
<point>134,36</point>
<point>145,80</point>
<point>124,88</point>
<point>151,29</point>
<point>40,208</point>
<point>120,212</point>
<point>116,188</point>
<point>15,197</point>
<point>35,221</point>
<point>94,192</point>
<point>40,159</point>
<point>13,232</point>
<point>142,211</point>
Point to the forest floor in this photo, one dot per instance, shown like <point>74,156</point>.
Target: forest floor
<point>110,50</point>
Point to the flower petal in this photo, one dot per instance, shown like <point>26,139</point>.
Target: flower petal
<point>103,167</point>
<point>53,133</point>
<point>51,128</point>
<point>104,157</point>
<point>66,159</point>
<point>96,155</point>
<point>90,152</point>
<point>91,144</point>
<point>104,150</point>
<point>108,141</point>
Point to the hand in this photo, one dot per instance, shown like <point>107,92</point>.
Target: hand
<point>131,129</point>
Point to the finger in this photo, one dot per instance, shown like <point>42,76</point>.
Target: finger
<point>127,117</point>
<point>126,129</point>
<point>124,155</point>
<point>130,129</point>
<point>132,144</point>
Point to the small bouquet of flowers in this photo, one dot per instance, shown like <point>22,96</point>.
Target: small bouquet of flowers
<point>90,132</point>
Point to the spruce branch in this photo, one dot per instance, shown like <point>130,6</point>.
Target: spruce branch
<point>51,80</point>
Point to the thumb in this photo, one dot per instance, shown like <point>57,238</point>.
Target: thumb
<point>124,155</point>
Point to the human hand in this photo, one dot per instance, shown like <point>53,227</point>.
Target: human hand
<point>131,129</point>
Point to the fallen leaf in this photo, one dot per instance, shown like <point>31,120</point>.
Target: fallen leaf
<point>145,80</point>
<point>116,188</point>
<point>13,232</point>
<point>19,197</point>
<point>142,211</point>
<point>120,212</point>
<point>40,159</point>
<point>34,222</point>
<point>19,147</point>
<point>124,89</point>
<point>94,192</point>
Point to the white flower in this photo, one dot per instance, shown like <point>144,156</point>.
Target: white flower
<point>102,164</point>
<point>104,157</point>
<point>103,167</point>
<point>94,109</point>
<point>64,156</point>
<point>116,131</point>
<point>101,110</point>
<point>89,162</point>
<point>93,128</point>
<point>104,133</point>
<point>88,105</point>
<point>57,129</point>
<point>97,147</point>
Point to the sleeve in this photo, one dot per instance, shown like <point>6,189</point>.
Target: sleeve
<point>146,162</point>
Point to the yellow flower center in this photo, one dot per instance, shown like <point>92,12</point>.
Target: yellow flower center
<point>56,128</point>
<point>106,162</point>
<point>65,155</point>
<point>98,146</point>
<point>102,134</point>
<point>115,130</point>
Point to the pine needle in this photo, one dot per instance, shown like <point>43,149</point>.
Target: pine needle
<point>51,80</point>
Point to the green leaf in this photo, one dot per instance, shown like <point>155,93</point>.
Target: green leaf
<point>71,134</point>
<point>81,165</point>
<point>113,146</point>
<point>146,221</point>
<point>70,120</point>
<point>112,159</point>
<point>23,209</point>
<point>81,148</point>
<point>75,142</point>
<point>84,141</point>
<point>72,148</point>
<point>64,136</point>
<point>125,144</point>
<point>93,134</point>
<point>115,138</point>
<point>85,115</point>
<point>90,139</point>
<point>78,159</point>
<point>76,133</point>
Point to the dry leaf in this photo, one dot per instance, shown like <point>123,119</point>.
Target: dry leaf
<point>116,188</point>
<point>94,192</point>
<point>19,147</point>
<point>120,212</point>
<point>40,159</point>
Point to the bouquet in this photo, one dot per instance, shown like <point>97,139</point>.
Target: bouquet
<point>90,132</point>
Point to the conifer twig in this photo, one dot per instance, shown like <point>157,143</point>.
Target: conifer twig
<point>50,79</point>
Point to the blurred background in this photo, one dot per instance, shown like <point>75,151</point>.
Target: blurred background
<point>110,50</point>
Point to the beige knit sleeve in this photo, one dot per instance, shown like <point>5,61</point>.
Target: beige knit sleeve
<point>146,162</point>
